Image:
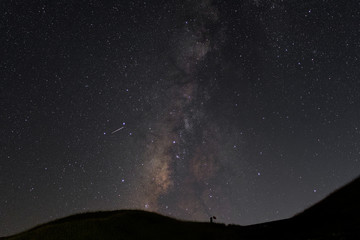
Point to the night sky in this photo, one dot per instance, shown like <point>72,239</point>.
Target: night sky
<point>245,110</point>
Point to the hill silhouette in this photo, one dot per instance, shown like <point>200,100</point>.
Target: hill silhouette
<point>335,217</point>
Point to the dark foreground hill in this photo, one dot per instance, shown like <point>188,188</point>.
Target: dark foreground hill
<point>336,217</point>
<point>125,224</point>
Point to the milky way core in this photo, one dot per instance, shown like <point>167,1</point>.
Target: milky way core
<point>181,156</point>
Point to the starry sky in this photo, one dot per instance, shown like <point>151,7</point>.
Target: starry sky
<point>246,110</point>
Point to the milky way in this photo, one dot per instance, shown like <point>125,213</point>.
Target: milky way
<point>181,153</point>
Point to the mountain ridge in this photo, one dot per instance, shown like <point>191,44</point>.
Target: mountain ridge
<point>335,217</point>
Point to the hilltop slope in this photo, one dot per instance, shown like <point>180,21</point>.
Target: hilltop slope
<point>124,224</point>
<point>335,217</point>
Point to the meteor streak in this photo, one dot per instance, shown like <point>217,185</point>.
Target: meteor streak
<point>117,130</point>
